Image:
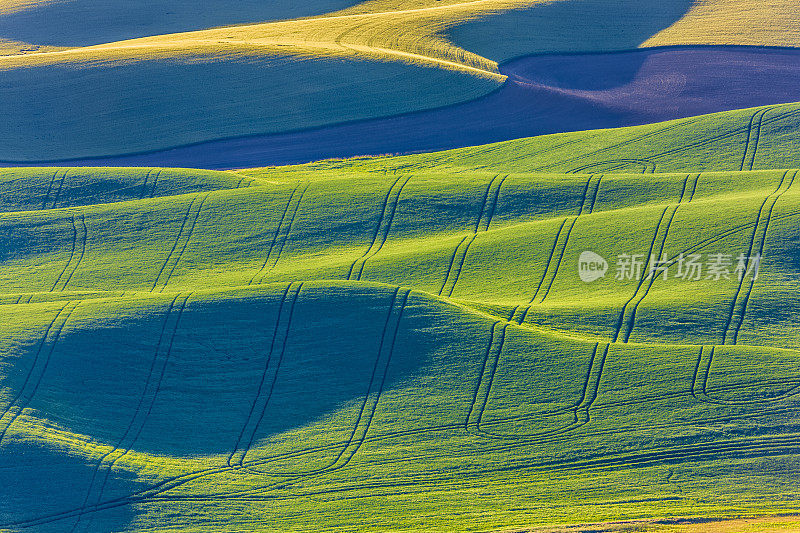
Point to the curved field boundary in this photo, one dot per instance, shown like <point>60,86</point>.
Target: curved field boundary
<point>144,407</point>
<point>181,241</point>
<point>41,360</point>
<point>588,201</point>
<point>266,386</point>
<point>498,116</point>
<point>702,370</point>
<point>281,235</point>
<point>485,215</point>
<point>382,229</point>
<point>738,308</point>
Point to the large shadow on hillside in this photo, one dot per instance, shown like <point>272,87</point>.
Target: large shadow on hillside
<point>43,488</point>
<point>217,375</point>
<point>80,23</point>
<point>568,26</point>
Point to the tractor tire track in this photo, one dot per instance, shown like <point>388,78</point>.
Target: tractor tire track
<point>700,384</point>
<point>83,238</point>
<point>612,148</point>
<point>263,395</point>
<point>702,142</point>
<point>71,255</point>
<point>177,243</point>
<point>58,191</point>
<point>144,185</point>
<point>580,408</point>
<point>486,379</point>
<point>285,237</point>
<point>185,243</point>
<point>749,156</point>
<point>589,199</point>
<point>49,188</point>
<point>381,230</point>
<point>155,184</point>
<point>648,167</point>
<point>144,407</point>
<point>139,497</point>
<point>485,215</point>
<point>737,312</point>
<point>373,394</point>
<point>41,361</point>
<point>650,278</point>
<point>385,208</point>
<point>275,236</point>
<point>130,427</point>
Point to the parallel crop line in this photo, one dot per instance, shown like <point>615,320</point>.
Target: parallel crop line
<point>275,235</point>
<point>387,219</point>
<point>486,213</point>
<point>236,457</point>
<point>148,397</point>
<point>738,317</point>
<point>185,243</point>
<point>22,399</point>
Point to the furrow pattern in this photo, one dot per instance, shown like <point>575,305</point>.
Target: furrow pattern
<point>741,298</point>
<point>382,229</point>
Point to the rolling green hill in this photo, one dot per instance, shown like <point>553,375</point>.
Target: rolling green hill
<point>405,343</point>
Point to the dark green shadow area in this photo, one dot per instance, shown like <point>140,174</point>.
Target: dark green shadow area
<point>48,484</point>
<point>568,26</point>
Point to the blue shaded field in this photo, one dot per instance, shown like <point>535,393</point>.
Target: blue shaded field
<point>544,94</point>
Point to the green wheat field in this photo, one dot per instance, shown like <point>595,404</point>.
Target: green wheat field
<point>406,342</point>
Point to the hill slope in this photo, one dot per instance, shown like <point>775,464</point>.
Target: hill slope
<point>406,343</point>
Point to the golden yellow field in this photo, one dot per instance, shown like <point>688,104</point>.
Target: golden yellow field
<point>740,22</point>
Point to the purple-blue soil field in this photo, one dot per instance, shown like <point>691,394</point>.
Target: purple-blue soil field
<point>544,94</point>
